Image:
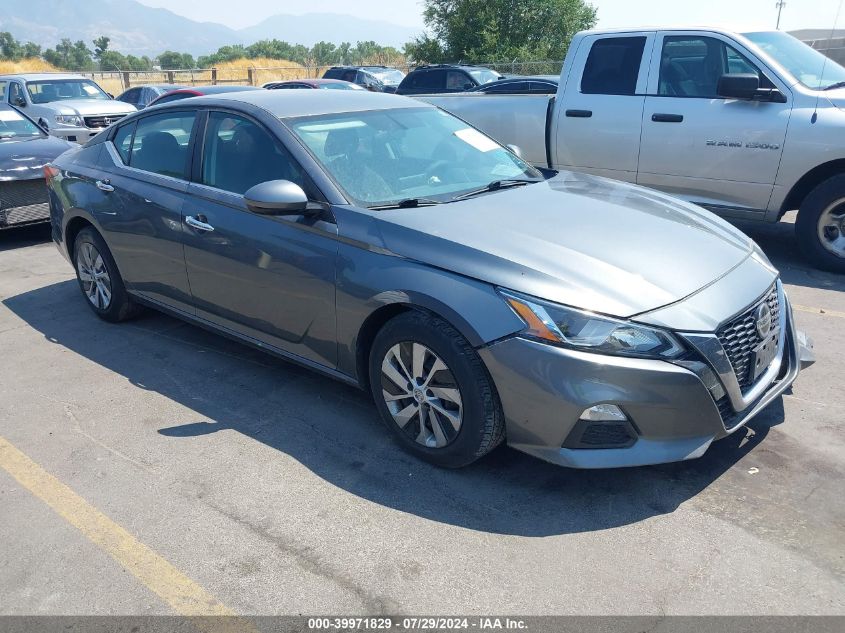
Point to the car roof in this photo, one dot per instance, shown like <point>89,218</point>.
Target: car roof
<point>42,76</point>
<point>285,104</point>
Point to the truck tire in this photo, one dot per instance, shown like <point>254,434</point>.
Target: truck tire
<point>433,391</point>
<point>820,227</point>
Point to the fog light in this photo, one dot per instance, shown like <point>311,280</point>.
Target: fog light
<point>603,413</point>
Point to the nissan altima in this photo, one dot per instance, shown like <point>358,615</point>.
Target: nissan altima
<point>391,246</point>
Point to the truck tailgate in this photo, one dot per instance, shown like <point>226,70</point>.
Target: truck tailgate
<point>510,119</point>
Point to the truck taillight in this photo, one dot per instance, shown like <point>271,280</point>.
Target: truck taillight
<point>50,172</point>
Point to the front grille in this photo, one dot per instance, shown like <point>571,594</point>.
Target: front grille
<point>22,193</point>
<point>739,337</point>
<point>103,120</point>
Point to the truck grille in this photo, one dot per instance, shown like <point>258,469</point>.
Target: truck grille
<point>23,201</point>
<point>739,337</point>
<point>104,120</point>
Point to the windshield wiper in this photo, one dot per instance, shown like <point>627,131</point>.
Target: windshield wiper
<point>495,186</point>
<point>838,84</point>
<point>408,203</point>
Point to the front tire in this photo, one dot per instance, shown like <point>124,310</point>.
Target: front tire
<point>820,227</point>
<point>98,277</point>
<point>433,391</point>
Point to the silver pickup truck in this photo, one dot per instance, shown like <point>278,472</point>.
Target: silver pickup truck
<point>71,107</point>
<point>748,125</point>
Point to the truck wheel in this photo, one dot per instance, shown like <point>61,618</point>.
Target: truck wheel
<point>99,279</point>
<point>433,391</point>
<point>820,227</point>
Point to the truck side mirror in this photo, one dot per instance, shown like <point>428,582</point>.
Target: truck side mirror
<point>738,86</point>
<point>19,102</point>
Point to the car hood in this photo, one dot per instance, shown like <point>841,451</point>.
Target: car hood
<point>88,107</point>
<point>574,239</point>
<point>25,159</point>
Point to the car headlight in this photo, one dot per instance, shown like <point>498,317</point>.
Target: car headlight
<point>588,332</point>
<point>69,119</point>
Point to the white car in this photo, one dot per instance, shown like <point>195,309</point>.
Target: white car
<point>71,107</point>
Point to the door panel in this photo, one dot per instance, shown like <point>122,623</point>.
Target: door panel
<point>269,278</point>
<point>735,142</point>
<point>598,129</point>
<point>144,227</point>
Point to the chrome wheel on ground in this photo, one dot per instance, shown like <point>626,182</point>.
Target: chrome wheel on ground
<point>831,228</point>
<point>421,394</point>
<point>94,276</point>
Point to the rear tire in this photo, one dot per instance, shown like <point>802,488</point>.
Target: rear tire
<point>820,227</point>
<point>100,281</point>
<point>433,391</point>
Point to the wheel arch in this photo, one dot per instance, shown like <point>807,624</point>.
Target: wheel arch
<point>72,228</point>
<point>809,181</point>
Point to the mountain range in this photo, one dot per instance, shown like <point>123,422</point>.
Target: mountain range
<point>137,29</point>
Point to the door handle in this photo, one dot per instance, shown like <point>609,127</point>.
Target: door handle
<point>198,223</point>
<point>103,185</point>
<point>667,118</point>
<point>579,114</point>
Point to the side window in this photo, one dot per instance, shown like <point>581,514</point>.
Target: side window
<point>132,96</point>
<point>613,66</point>
<point>161,144</point>
<point>542,87</point>
<point>239,154</point>
<point>456,80</point>
<point>3,85</point>
<point>123,141</point>
<point>690,66</point>
<point>15,93</point>
<point>511,87</point>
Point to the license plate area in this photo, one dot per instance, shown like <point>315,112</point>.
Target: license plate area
<point>764,354</point>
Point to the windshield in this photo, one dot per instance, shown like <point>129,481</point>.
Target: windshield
<point>384,157</point>
<point>389,76</point>
<point>14,125</point>
<point>63,89</point>
<point>483,75</point>
<point>806,64</point>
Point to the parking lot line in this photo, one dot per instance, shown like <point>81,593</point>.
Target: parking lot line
<point>821,311</point>
<point>181,593</point>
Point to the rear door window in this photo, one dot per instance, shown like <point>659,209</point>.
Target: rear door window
<point>123,141</point>
<point>161,144</point>
<point>613,66</point>
<point>458,81</point>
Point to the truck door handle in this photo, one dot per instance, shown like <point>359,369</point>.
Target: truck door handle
<point>579,114</point>
<point>198,223</point>
<point>103,185</point>
<point>667,118</point>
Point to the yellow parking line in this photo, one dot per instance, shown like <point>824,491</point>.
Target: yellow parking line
<point>821,311</point>
<point>181,593</point>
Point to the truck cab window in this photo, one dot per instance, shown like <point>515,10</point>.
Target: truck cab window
<point>690,66</point>
<point>613,66</point>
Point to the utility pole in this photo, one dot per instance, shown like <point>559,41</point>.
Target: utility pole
<point>780,4</point>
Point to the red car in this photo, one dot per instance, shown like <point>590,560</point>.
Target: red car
<point>198,91</point>
<point>314,84</point>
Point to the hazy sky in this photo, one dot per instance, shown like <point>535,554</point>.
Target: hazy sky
<point>741,13</point>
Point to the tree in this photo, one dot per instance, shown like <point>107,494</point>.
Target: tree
<point>69,55</point>
<point>492,30</point>
<point>10,48</point>
<point>31,49</point>
<point>101,45</point>
<point>171,60</point>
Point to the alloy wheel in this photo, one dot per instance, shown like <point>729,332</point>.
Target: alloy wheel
<point>832,228</point>
<point>96,283</point>
<point>421,394</point>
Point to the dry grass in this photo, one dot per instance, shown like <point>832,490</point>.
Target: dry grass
<point>265,70</point>
<point>29,65</point>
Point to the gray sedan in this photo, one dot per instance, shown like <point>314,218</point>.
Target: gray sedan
<point>391,246</point>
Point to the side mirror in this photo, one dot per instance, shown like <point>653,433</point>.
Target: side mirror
<point>19,102</point>
<point>516,149</point>
<point>738,86</point>
<point>276,197</point>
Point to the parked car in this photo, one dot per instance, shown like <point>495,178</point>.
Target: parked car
<point>746,125</point>
<point>388,244</point>
<point>71,107</point>
<point>312,84</point>
<point>542,84</point>
<point>24,151</point>
<point>372,78</point>
<point>142,96</point>
<point>445,78</point>
<point>198,91</point>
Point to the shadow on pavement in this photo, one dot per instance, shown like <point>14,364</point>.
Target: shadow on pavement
<point>334,430</point>
<point>24,236</point>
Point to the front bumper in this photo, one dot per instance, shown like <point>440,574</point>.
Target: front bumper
<point>672,410</point>
<point>79,135</point>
